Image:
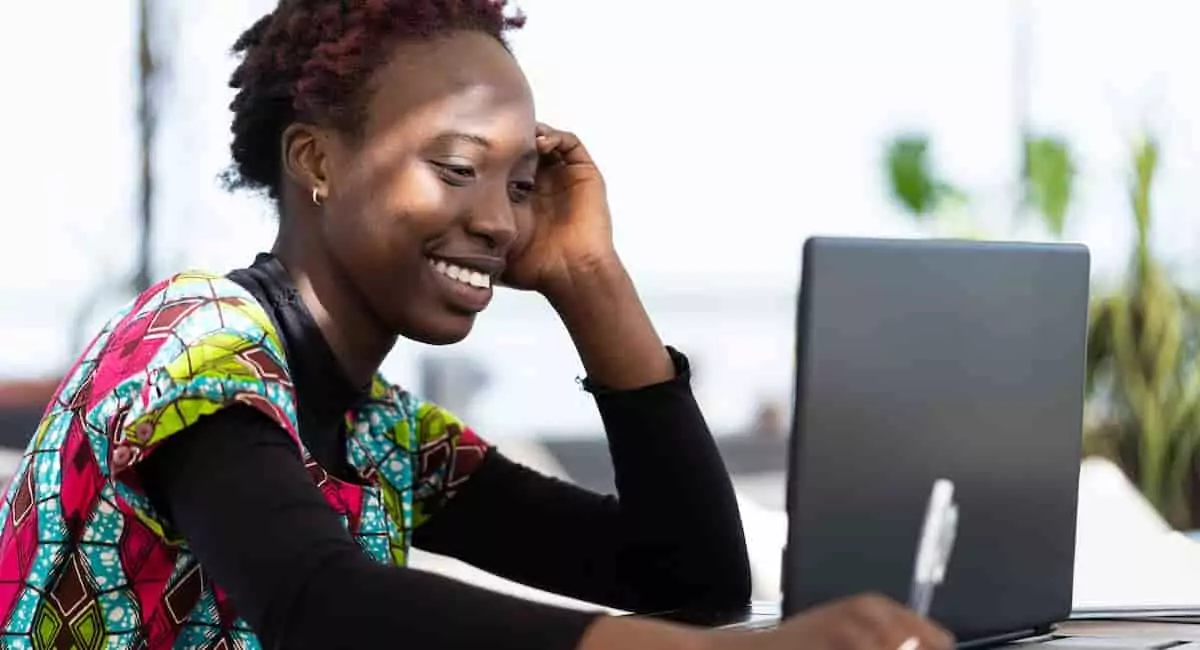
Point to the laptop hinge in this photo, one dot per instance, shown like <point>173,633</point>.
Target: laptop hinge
<point>1028,634</point>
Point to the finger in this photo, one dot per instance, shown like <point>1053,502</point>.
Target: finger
<point>929,635</point>
<point>571,149</point>
<point>883,617</point>
<point>546,144</point>
<point>565,144</point>
<point>939,637</point>
<point>899,628</point>
<point>545,137</point>
<point>854,635</point>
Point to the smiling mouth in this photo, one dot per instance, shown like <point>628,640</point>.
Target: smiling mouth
<point>462,274</point>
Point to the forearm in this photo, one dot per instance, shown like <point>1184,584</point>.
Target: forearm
<point>673,539</point>
<point>238,492</point>
<point>677,504</point>
<point>619,633</point>
<point>354,602</point>
<point>488,620</point>
<point>677,499</point>
<point>612,332</point>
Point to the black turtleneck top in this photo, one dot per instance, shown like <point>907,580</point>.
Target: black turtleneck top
<point>260,527</point>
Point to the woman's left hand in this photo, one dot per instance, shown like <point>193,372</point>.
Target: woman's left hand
<point>569,258</point>
<point>572,227</point>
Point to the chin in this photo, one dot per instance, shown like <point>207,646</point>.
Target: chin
<point>444,331</point>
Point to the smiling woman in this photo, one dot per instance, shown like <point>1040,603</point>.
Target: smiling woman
<point>224,466</point>
<point>407,154</point>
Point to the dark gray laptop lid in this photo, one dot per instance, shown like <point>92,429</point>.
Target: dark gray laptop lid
<point>925,359</point>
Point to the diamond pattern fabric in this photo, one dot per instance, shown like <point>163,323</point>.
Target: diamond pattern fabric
<point>86,562</point>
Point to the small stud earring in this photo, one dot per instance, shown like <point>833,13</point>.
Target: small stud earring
<point>316,197</point>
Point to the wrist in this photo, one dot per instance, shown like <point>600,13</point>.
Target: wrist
<point>600,308</point>
<point>598,278</point>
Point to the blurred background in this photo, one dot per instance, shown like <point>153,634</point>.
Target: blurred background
<point>728,133</point>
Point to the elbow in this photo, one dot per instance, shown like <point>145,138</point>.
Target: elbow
<point>719,554</point>
<point>702,576</point>
<point>739,587</point>
<point>721,560</point>
<point>730,582</point>
<point>705,588</point>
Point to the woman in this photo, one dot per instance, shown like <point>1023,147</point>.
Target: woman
<point>225,468</point>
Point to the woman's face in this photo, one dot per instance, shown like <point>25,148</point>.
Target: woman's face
<point>421,210</point>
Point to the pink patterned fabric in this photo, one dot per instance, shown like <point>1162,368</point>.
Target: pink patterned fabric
<point>87,563</point>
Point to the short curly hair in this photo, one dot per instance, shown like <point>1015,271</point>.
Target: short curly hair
<point>311,60</point>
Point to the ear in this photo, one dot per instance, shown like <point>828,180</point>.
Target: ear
<point>305,157</point>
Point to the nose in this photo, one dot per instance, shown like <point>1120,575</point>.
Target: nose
<point>495,222</point>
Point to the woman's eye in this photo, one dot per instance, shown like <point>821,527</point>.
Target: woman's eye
<point>519,191</point>
<point>456,174</point>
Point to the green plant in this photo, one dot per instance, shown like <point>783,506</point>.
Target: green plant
<point>910,173</point>
<point>931,200</point>
<point>1143,360</point>
<point>1048,175</point>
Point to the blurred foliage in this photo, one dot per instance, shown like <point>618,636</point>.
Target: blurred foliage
<point>1143,363</point>
<point>1048,175</point>
<point>912,180</point>
<point>1143,358</point>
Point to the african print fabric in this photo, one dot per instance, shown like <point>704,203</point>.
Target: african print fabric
<point>86,562</point>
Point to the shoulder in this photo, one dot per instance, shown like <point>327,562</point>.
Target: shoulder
<point>187,347</point>
<point>194,305</point>
<point>191,312</point>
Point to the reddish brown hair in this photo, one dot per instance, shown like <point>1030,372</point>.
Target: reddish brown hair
<point>311,60</point>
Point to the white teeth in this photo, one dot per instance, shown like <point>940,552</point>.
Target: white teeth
<point>463,275</point>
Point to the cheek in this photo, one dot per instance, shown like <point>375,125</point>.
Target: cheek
<point>403,202</point>
<point>412,188</point>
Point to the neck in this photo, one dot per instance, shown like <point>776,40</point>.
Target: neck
<point>359,341</point>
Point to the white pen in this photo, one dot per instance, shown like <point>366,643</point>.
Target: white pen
<point>935,547</point>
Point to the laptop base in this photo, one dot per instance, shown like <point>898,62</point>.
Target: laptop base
<point>766,615</point>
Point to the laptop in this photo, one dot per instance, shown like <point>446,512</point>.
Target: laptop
<point>925,359</point>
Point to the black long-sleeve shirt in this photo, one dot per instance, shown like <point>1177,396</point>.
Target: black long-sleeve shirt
<point>262,530</point>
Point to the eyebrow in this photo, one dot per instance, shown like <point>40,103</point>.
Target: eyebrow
<point>479,141</point>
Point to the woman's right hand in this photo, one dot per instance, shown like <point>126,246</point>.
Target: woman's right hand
<point>867,622</point>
